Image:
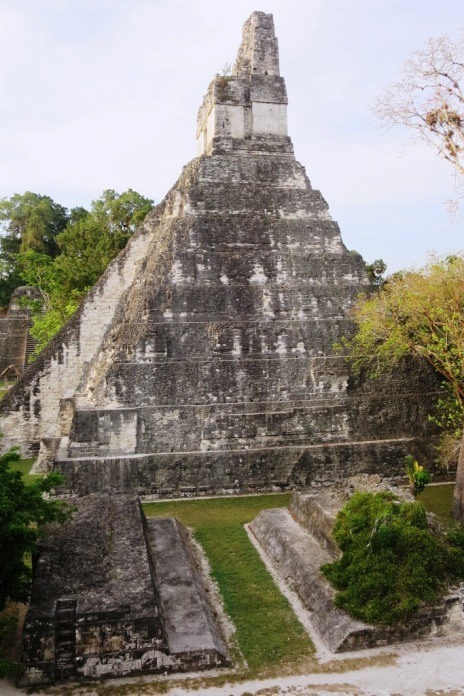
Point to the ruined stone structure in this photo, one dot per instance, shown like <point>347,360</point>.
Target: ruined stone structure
<point>202,360</point>
<point>298,541</point>
<point>116,594</point>
<point>16,343</point>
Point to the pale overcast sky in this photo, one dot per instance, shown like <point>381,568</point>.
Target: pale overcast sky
<point>104,94</point>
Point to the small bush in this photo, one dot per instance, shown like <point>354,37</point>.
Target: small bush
<point>417,475</point>
<point>391,561</point>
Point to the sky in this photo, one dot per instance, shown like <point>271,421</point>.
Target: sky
<point>100,94</point>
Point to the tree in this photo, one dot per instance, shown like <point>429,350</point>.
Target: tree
<point>23,513</point>
<point>29,221</point>
<point>375,272</point>
<point>429,99</point>
<point>56,304</point>
<point>419,313</point>
<point>122,213</point>
<point>88,243</point>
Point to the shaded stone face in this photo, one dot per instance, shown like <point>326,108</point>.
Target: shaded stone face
<point>16,343</point>
<point>203,359</point>
<point>115,594</point>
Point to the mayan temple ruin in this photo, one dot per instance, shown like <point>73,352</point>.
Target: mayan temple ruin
<point>202,361</point>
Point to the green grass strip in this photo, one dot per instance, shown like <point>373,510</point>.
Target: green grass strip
<point>268,632</point>
<point>438,499</point>
<point>24,466</point>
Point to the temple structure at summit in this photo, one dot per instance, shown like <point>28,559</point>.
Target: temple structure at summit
<point>202,360</point>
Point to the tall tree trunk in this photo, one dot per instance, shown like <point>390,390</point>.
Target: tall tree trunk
<point>458,498</point>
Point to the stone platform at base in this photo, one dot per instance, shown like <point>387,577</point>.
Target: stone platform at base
<point>115,595</point>
<point>297,544</point>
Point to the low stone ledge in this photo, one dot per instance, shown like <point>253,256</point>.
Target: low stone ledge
<point>317,512</point>
<point>191,628</point>
<point>297,557</point>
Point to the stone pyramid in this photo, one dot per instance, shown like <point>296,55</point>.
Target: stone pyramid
<point>203,359</point>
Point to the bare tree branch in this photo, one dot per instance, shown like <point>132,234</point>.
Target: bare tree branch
<point>429,99</point>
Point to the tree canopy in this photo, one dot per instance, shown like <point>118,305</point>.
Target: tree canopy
<point>62,252</point>
<point>429,99</point>
<point>418,312</point>
<point>28,221</point>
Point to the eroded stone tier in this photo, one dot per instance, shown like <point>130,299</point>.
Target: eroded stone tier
<point>203,359</point>
<point>114,595</point>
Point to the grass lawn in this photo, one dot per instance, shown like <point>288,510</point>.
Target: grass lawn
<point>438,499</point>
<point>24,466</point>
<point>4,388</point>
<point>268,632</point>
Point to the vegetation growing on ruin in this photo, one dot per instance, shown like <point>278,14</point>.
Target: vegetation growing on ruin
<point>268,632</point>
<point>62,252</point>
<point>392,560</point>
<point>23,512</point>
<point>419,313</point>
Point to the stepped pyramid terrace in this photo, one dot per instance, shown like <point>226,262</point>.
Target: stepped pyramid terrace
<point>202,361</point>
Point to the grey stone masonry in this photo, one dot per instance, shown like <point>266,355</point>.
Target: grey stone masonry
<point>259,52</point>
<point>203,360</point>
<point>251,102</point>
<point>297,542</point>
<point>107,593</point>
<point>16,343</point>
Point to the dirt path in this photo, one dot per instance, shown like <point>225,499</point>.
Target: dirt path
<point>418,672</point>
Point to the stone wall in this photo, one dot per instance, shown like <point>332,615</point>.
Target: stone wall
<point>298,542</point>
<point>204,360</point>
<point>30,411</point>
<point>115,594</point>
<point>16,343</point>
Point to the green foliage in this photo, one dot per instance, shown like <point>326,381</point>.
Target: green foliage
<point>90,242</point>
<point>65,258</point>
<point>267,629</point>
<point>29,221</point>
<point>8,629</point>
<point>417,475</point>
<point>416,313</point>
<point>391,561</point>
<point>375,272</point>
<point>23,512</point>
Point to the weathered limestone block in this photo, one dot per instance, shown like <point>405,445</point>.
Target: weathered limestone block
<point>297,555</point>
<point>253,100</point>
<point>317,514</point>
<point>109,591</point>
<point>191,628</point>
<point>16,343</point>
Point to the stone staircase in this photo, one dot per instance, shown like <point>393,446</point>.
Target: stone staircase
<point>65,639</point>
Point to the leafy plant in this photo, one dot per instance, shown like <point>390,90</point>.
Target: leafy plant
<point>419,313</point>
<point>417,475</point>
<point>23,512</point>
<point>391,561</point>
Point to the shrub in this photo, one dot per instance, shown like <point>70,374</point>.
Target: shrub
<point>391,561</point>
<point>417,475</point>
